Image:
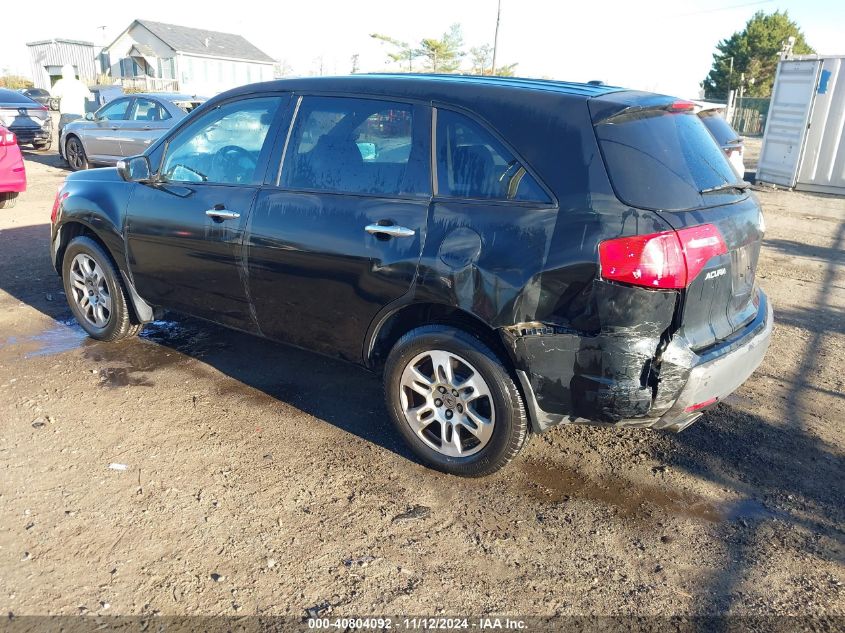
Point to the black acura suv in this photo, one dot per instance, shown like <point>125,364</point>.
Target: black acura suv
<point>510,254</point>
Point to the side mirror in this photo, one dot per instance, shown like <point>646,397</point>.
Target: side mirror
<point>89,116</point>
<point>135,169</point>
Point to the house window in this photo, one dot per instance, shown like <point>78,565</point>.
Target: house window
<point>166,68</point>
<point>128,67</point>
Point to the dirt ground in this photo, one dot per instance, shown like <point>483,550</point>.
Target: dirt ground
<point>265,480</point>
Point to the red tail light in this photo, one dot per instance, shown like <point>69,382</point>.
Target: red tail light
<point>700,243</point>
<point>7,138</point>
<point>60,197</point>
<point>667,260</point>
<point>680,106</point>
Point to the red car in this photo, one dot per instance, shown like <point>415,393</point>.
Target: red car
<point>12,171</point>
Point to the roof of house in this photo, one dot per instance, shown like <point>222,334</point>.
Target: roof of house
<point>185,39</point>
<point>60,40</point>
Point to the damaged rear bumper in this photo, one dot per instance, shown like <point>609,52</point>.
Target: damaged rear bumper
<point>688,383</point>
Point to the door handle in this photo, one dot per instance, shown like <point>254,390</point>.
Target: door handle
<point>222,214</point>
<point>391,229</point>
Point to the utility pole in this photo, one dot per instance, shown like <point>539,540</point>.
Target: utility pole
<point>730,74</point>
<point>496,37</point>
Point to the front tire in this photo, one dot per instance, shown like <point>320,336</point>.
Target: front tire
<point>75,154</point>
<point>454,402</point>
<point>95,291</point>
<point>8,200</point>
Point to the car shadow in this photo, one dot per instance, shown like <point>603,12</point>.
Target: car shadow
<point>347,396</point>
<point>790,485</point>
<point>50,158</point>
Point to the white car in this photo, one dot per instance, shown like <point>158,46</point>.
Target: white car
<point>713,117</point>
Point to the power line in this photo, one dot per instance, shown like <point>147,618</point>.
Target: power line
<point>735,6</point>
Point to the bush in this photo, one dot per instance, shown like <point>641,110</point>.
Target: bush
<point>15,82</point>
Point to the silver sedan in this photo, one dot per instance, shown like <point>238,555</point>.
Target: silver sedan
<point>124,127</point>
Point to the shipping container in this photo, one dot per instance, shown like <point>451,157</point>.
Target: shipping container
<point>803,143</point>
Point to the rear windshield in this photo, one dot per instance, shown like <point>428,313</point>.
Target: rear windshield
<point>10,96</point>
<point>658,159</point>
<point>719,128</point>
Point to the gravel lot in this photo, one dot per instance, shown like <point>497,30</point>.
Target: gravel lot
<point>265,480</point>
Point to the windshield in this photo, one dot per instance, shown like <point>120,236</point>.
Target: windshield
<point>719,128</point>
<point>660,159</point>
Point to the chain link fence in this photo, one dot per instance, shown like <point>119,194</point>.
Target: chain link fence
<point>748,116</point>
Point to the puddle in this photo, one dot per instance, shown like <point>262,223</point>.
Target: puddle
<point>749,509</point>
<point>122,377</point>
<point>559,484</point>
<point>64,336</point>
<point>128,363</point>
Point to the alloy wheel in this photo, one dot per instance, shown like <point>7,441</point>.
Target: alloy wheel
<point>447,403</point>
<point>90,290</point>
<point>75,154</point>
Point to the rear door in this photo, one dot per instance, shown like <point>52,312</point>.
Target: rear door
<point>101,138</point>
<point>146,122</point>
<point>185,230</point>
<point>339,235</point>
<point>789,115</point>
<point>660,156</point>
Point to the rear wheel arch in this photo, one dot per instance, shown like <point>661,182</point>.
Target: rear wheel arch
<point>391,327</point>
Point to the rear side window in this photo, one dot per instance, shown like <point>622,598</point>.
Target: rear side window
<point>659,159</point>
<point>472,163</point>
<point>719,128</point>
<point>351,145</point>
<point>148,110</point>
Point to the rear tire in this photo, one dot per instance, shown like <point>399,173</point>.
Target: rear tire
<point>454,401</point>
<point>8,200</point>
<point>95,291</point>
<point>75,154</point>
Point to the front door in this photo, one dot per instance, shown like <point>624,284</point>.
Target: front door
<point>340,236</point>
<point>102,137</point>
<point>185,230</point>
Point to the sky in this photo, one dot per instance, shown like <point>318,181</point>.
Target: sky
<point>660,46</point>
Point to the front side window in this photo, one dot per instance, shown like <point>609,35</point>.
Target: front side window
<point>356,146</point>
<point>114,111</point>
<point>223,146</point>
<point>148,110</point>
<point>472,163</point>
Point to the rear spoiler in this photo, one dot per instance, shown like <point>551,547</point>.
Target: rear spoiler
<point>630,103</point>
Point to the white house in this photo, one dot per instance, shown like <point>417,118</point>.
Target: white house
<point>157,56</point>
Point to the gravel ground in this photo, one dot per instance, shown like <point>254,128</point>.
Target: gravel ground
<point>264,480</point>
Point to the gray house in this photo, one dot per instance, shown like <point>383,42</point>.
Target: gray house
<point>47,57</point>
<point>157,56</point>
